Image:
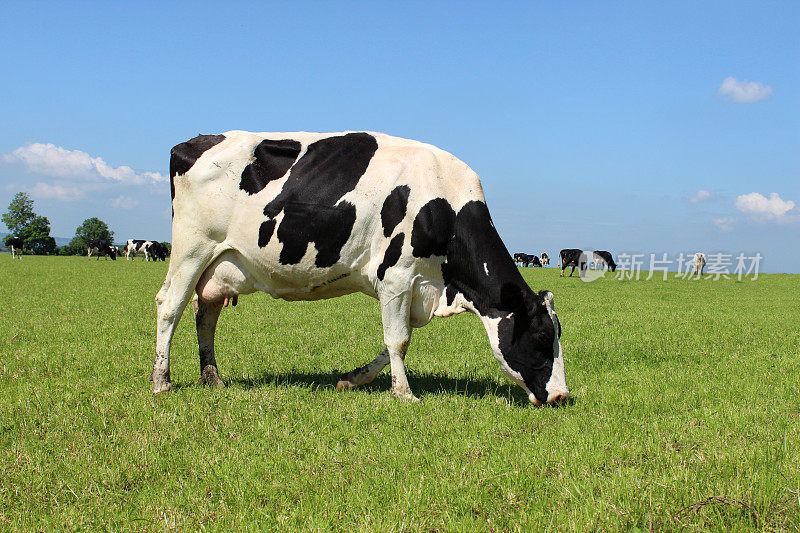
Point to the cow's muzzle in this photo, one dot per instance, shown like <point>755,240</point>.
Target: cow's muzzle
<point>556,398</point>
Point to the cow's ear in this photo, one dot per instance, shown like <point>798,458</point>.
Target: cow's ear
<point>511,298</point>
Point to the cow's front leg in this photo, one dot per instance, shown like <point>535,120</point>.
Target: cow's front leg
<point>395,314</point>
<point>205,316</point>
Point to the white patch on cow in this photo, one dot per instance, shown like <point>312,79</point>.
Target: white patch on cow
<point>557,384</point>
<point>459,305</point>
<point>486,269</point>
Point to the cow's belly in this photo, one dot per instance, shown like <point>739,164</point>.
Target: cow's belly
<point>234,273</point>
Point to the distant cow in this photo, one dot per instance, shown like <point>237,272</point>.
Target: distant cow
<point>572,257</point>
<point>603,259</point>
<point>16,245</point>
<point>525,260</point>
<point>157,251</point>
<point>308,216</point>
<point>100,247</point>
<point>138,246</point>
<point>699,263</point>
<point>545,259</point>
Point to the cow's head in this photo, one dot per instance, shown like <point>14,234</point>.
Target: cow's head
<point>527,344</point>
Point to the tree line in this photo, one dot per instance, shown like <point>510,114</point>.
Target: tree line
<point>34,230</point>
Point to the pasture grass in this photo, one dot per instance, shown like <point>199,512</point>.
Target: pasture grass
<point>685,412</point>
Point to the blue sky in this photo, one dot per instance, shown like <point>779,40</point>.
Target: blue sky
<point>592,125</point>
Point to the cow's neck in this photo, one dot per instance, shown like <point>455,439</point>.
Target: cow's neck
<point>479,267</point>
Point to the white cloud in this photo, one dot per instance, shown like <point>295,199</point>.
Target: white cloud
<point>52,160</point>
<point>700,196</point>
<point>743,92</point>
<point>759,206</point>
<point>725,223</point>
<point>124,202</point>
<point>58,192</point>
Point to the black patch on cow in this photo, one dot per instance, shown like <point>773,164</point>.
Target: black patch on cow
<point>184,155</point>
<point>392,254</point>
<point>328,170</point>
<point>265,232</point>
<point>474,248</point>
<point>394,208</point>
<point>433,227</point>
<point>271,160</point>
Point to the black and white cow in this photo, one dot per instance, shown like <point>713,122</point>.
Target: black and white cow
<point>603,259</point>
<point>100,247</point>
<point>137,246</point>
<point>698,263</point>
<point>157,251</point>
<point>525,260</point>
<point>308,216</point>
<point>572,257</point>
<point>545,259</point>
<point>16,245</point>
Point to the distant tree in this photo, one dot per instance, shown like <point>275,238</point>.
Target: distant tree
<point>37,236</point>
<point>92,229</point>
<point>20,213</point>
<point>77,246</point>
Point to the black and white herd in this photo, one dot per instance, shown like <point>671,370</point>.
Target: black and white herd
<point>150,250</point>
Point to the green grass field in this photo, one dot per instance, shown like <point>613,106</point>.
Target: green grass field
<point>686,413</point>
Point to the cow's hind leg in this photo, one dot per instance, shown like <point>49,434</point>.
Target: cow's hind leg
<point>396,318</point>
<point>364,374</point>
<point>205,316</point>
<point>171,300</point>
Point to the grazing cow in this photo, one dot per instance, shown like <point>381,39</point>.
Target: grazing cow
<point>137,246</point>
<point>525,260</point>
<point>157,251</point>
<point>699,263</point>
<point>545,259</point>
<point>308,216</point>
<point>536,262</point>
<point>16,245</point>
<point>603,259</point>
<point>100,247</point>
<point>572,257</point>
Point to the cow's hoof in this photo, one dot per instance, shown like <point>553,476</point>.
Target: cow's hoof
<point>210,377</point>
<point>164,386</point>
<point>343,384</point>
<point>405,396</point>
